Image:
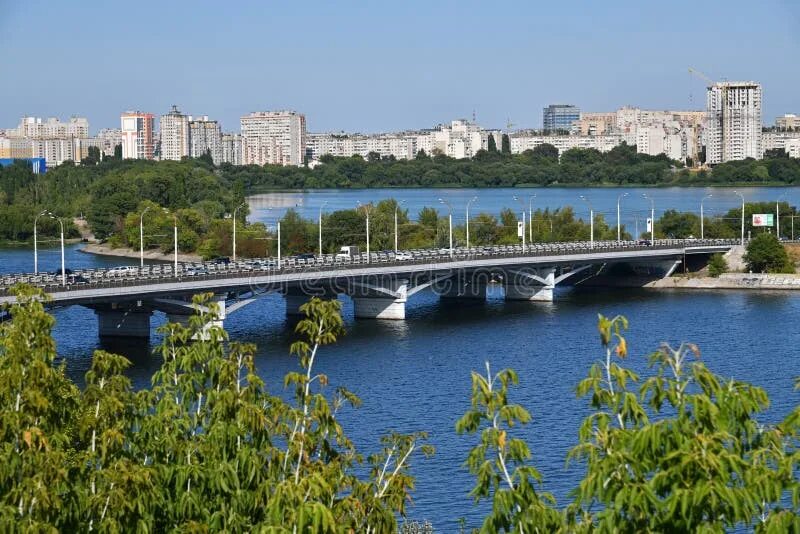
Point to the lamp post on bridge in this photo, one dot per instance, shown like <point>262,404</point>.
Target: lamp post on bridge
<point>320,226</point>
<point>35,243</point>
<point>141,237</point>
<point>591,221</point>
<point>778,216</point>
<point>702,217</point>
<point>63,271</point>
<point>450,222</point>
<point>522,203</point>
<point>652,219</point>
<point>233,255</point>
<point>396,239</point>
<point>530,219</point>
<point>742,197</point>
<point>367,209</point>
<point>619,225</point>
<point>473,199</point>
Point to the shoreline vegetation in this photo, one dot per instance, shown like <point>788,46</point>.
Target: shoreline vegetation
<point>105,201</point>
<point>674,447</point>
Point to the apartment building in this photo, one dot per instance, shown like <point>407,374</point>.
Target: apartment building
<point>137,135</point>
<point>273,137</point>
<point>528,140</point>
<point>560,117</point>
<point>733,128</point>
<point>205,136</point>
<point>232,148</point>
<point>174,135</point>
<point>789,121</point>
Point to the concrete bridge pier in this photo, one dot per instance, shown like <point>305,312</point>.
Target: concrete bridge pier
<point>123,320</point>
<point>531,284</point>
<point>180,311</point>
<point>379,299</point>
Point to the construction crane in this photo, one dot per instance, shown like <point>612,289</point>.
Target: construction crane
<point>698,74</point>
<point>509,125</point>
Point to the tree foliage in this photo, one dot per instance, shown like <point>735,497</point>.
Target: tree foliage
<point>206,448</point>
<point>766,254</point>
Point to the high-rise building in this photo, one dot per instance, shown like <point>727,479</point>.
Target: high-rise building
<point>205,136</point>
<point>111,137</point>
<point>137,135</point>
<point>273,137</point>
<point>560,116</point>
<point>733,129</point>
<point>174,132</point>
<point>232,149</point>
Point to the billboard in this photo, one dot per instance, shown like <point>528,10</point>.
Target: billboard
<point>763,219</point>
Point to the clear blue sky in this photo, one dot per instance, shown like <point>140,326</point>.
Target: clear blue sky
<point>381,66</point>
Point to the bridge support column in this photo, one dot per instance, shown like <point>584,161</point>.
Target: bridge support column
<point>382,299</point>
<point>119,321</point>
<point>180,313</point>
<point>523,286</point>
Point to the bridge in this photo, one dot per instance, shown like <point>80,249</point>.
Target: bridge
<point>379,285</point>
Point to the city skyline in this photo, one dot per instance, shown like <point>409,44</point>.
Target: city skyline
<point>378,70</point>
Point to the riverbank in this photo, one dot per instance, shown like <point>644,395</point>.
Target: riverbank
<point>730,281</point>
<point>152,255</point>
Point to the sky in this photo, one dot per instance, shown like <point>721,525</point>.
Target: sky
<point>387,66</point>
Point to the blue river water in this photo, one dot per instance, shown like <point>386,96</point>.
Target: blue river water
<point>634,208</point>
<point>415,374</point>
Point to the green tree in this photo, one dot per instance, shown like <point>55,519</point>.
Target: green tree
<point>766,254</point>
<point>505,144</point>
<point>717,265</point>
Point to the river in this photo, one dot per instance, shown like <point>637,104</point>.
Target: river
<point>414,374</point>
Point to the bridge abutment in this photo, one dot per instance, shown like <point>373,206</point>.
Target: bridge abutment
<point>296,297</point>
<point>379,299</point>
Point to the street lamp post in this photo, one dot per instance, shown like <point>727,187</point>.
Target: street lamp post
<point>396,239</point>
<point>619,225</point>
<point>742,197</point>
<point>141,237</point>
<point>591,221</point>
<point>702,217</point>
<point>175,237</point>
<point>320,226</point>
<point>449,221</point>
<point>652,219</point>
<point>521,203</point>
<point>233,255</point>
<point>279,244</point>
<point>778,216</point>
<point>63,271</point>
<point>35,244</point>
<point>473,199</point>
<point>366,211</point>
<point>530,219</point>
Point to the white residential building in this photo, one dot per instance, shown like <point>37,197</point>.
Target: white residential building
<point>398,146</point>
<point>772,140</point>
<point>733,129</point>
<point>789,121</point>
<point>205,136</point>
<point>461,139</point>
<point>50,128</point>
<point>522,141</point>
<point>174,135</point>
<point>231,149</point>
<point>110,137</point>
<point>274,137</point>
<point>137,135</point>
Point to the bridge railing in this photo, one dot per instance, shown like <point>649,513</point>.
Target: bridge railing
<point>435,257</point>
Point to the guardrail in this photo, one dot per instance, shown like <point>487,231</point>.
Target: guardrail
<point>435,257</point>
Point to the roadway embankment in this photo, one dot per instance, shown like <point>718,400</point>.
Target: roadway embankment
<point>730,281</point>
<point>152,255</point>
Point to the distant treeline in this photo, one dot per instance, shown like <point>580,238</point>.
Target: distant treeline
<point>200,194</point>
